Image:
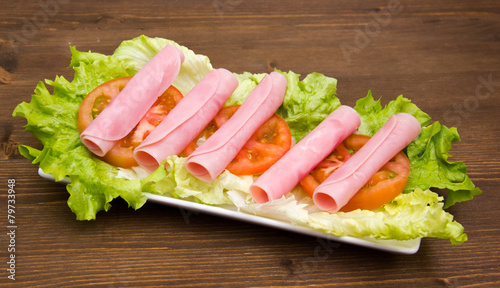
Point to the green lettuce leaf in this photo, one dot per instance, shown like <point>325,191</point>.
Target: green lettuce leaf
<point>78,57</point>
<point>52,118</point>
<point>179,183</point>
<point>373,116</point>
<point>408,216</point>
<point>308,102</point>
<point>246,83</point>
<point>430,153</point>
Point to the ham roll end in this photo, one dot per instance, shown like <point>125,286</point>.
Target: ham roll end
<point>399,131</point>
<point>200,172</point>
<point>213,156</point>
<point>126,109</point>
<point>187,119</point>
<point>285,174</point>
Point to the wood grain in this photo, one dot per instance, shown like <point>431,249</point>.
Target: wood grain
<point>433,53</point>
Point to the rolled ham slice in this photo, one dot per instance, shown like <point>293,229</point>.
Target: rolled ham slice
<point>213,156</point>
<point>348,179</point>
<point>305,155</point>
<point>131,104</point>
<point>187,119</point>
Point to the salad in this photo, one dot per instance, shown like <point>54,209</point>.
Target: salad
<point>94,183</point>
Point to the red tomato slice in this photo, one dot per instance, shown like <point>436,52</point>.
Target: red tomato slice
<point>121,154</point>
<point>382,187</point>
<point>266,146</point>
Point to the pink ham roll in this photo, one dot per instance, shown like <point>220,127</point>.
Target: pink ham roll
<point>342,185</point>
<point>213,156</point>
<point>187,119</point>
<point>305,156</point>
<point>127,108</point>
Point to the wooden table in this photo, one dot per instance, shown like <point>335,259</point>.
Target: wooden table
<point>435,54</point>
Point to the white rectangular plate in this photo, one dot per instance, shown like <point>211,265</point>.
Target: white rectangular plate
<point>394,246</point>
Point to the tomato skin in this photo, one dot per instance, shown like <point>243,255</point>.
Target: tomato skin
<point>325,168</point>
<point>384,190</point>
<point>266,146</point>
<point>102,94</point>
<point>120,156</point>
<point>207,132</point>
<point>122,153</point>
<point>382,187</point>
<point>309,184</point>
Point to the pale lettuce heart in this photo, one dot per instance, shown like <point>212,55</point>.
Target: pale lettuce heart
<point>138,51</point>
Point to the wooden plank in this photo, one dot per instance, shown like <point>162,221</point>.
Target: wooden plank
<point>433,53</point>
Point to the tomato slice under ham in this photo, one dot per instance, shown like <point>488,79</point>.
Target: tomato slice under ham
<point>266,146</point>
<point>121,154</point>
<point>382,187</point>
